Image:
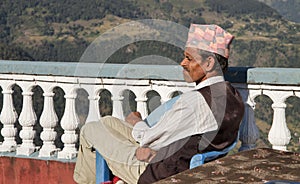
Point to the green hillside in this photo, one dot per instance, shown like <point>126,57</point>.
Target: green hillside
<point>50,30</point>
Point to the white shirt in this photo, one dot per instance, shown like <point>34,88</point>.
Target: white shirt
<point>189,115</point>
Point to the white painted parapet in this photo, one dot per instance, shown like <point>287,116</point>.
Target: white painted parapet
<point>165,80</point>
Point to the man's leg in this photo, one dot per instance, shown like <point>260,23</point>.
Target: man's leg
<point>85,167</point>
<point>112,138</point>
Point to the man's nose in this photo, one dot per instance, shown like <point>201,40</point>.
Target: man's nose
<point>183,62</point>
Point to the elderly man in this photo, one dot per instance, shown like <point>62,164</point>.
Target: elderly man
<point>204,119</point>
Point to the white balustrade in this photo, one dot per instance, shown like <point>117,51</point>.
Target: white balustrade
<point>94,113</point>
<point>117,105</point>
<point>279,134</point>
<point>69,123</point>
<point>141,106</point>
<point>48,121</point>
<point>27,119</point>
<point>8,117</point>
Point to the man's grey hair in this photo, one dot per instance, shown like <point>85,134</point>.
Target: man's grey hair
<point>223,62</point>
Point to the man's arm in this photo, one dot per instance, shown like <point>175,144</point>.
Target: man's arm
<point>141,153</point>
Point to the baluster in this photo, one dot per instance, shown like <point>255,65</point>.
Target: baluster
<point>249,132</point>
<point>8,117</point>
<point>117,106</point>
<point>69,123</point>
<point>27,119</point>
<point>94,113</point>
<point>142,106</point>
<point>279,135</point>
<point>48,121</point>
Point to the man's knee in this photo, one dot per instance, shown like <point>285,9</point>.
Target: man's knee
<point>87,127</point>
<point>109,120</point>
<point>106,120</point>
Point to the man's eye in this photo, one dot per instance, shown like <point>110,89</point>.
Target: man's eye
<point>188,58</point>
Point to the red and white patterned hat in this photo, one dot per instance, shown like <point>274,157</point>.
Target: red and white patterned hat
<point>210,38</point>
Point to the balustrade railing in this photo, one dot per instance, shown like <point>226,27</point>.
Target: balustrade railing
<point>276,83</point>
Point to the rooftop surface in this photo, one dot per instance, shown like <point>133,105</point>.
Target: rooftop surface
<point>254,166</point>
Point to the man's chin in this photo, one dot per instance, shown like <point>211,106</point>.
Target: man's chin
<point>188,79</point>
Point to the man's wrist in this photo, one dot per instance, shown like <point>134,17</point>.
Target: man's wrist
<point>145,154</point>
<point>152,155</point>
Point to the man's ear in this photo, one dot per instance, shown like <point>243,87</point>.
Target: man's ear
<point>210,63</point>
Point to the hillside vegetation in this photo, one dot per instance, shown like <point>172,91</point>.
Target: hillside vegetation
<point>50,30</point>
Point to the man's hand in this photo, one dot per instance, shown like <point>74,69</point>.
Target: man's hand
<point>145,154</point>
<point>133,118</point>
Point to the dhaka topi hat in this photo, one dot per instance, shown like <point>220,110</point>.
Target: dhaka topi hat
<point>210,38</point>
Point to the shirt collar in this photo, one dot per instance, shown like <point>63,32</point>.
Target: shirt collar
<point>210,81</point>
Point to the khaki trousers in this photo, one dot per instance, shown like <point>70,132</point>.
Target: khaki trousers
<point>112,138</point>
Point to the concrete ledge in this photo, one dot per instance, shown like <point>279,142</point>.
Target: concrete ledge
<point>35,155</point>
<point>277,76</point>
<point>282,76</point>
<point>131,71</point>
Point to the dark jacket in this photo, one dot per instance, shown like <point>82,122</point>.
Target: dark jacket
<point>228,109</point>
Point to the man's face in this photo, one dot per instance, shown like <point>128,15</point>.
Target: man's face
<point>193,66</point>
